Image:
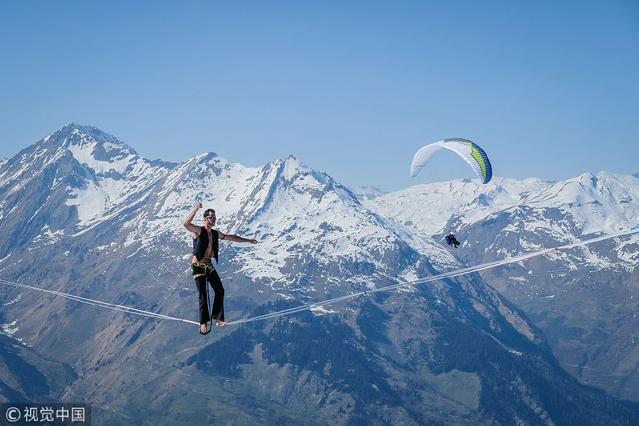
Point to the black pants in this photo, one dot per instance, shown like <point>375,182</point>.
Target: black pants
<point>218,302</point>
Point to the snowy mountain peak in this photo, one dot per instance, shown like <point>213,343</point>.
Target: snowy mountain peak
<point>209,161</point>
<point>368,192</point>
<point>84,168</point>
<point>92,132</point>
<point>598,203</point>
<point>82,135</point>
<point>606,190</point>
<point>289,167</point>
<point>102,153</point>
<point>290,172</point>
<point>206,156</point>
<point>586,180</point>
<point>94,148</point>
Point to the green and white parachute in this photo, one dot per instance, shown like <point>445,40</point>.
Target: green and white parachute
<point>468,150</point>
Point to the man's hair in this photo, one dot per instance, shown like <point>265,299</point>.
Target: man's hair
<point>207,211</point>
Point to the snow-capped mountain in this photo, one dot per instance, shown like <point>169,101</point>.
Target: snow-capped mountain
<point>572,295</point>
<point>303,218</point>
<point>563,211</point>
<point>70,181</point>
<point>428,208</point>
<point>82,212</point>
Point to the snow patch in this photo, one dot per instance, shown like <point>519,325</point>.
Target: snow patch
<point>15,300</point>
<point>9,329</point>
<point>320,310</point>
<point>47,236</point>
<point>83,152</point>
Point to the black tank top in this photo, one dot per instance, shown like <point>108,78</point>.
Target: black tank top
<point>201,243</point>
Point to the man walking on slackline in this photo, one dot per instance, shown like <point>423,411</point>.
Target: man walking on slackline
<point>205,248</point>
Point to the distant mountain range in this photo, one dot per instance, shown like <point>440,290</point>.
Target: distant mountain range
<point>82,212</point>
<point>586,300</point>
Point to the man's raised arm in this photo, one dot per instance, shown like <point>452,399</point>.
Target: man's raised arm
<point>187,222</point>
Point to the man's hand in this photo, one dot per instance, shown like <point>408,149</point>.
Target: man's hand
<point>198,206</point>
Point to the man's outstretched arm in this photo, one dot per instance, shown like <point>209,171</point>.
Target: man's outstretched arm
<point>237,239</point>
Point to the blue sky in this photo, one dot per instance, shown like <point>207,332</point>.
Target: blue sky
<point>549,89</point>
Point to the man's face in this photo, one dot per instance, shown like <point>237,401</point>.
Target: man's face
<point>210,218</point>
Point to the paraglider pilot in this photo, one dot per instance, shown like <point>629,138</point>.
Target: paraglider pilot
<point>451,240</point>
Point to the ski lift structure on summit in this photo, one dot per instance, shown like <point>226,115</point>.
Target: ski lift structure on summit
<point>468,150</point>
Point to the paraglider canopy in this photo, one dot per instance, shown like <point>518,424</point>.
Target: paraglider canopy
<point>468,150</point>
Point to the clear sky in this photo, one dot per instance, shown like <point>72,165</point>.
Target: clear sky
<point>549,89</point>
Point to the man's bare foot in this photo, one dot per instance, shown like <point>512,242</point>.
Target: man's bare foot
<point>221,323</point>
<point>204,328</point>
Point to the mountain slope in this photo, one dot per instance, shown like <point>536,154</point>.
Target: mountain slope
<point>584,299</point>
